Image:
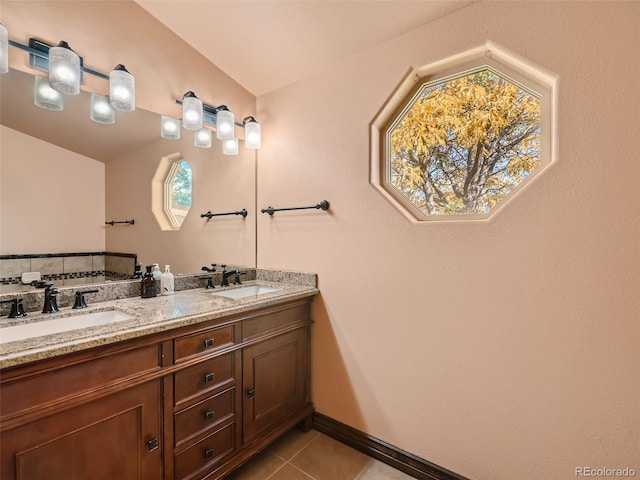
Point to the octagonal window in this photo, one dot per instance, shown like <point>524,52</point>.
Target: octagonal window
<point>464,139</point>
<point>171,192</point>
<point>178,191</point>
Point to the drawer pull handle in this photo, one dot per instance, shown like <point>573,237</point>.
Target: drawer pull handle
<point>251,392</point>
<point>208,343</point>
<point>208,377</point>
<point>152,444</point>
<point>209,415</point>
<point>208,453</point>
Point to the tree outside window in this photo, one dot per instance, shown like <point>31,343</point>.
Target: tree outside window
<point>179,190</point>
<point>462,145</point>
<point>458,139</point>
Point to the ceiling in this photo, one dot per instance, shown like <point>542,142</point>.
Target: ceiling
<point>267,44</point>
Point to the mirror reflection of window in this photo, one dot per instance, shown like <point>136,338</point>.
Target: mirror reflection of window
<point>178,192</point>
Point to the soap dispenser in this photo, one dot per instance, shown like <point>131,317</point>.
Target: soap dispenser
<point>167,281</point>
<point>157,278</point>
<point>147,285</point>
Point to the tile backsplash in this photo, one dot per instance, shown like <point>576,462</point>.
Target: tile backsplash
<point>64,269</point>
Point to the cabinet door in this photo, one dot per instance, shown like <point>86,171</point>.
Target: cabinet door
<point>274,380</point>
<point>109,438</point>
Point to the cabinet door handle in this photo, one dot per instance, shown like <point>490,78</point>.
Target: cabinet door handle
<point>208,343</point>
<point>208,377</point>
<point>208,453</point>
<point>209,415</point>
<point>152,444</point>
<point>251,392</point>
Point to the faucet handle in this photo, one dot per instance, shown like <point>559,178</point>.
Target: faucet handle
<point>80,301</point>
<point>17,308</point>
<point>237,281</point>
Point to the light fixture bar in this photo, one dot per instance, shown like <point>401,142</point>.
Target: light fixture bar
<point>39,57</point>
<point>209,115</point>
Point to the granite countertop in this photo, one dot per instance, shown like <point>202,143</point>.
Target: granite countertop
<point>149,315</point>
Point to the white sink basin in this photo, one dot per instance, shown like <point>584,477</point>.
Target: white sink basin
<point>59,325</point>
<point>248,291</point>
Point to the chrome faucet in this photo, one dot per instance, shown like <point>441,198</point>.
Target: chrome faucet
<point>50,300</point>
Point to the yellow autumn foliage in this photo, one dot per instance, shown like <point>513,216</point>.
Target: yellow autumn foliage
<point>466,143</point>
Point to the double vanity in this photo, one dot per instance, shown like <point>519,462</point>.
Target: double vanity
<point>184,386</point>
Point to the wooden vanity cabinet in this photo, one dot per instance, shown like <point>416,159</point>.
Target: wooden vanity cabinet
<point>91,415</point>
<point>274,381</point>
<point>241,386</point>
<point>189,404</point>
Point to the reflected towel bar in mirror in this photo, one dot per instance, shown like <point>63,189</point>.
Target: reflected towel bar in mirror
<point>323,205</point>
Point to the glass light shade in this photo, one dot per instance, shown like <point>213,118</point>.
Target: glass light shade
<point>122,89</point>
<point>230,146</point>
<point>64,69</point>
<point>169,128</point>
<point>225,124</point>
<point>252,135</point>
<point>46,97</point>
<point>202,138</point>
<point>101,110</point>
<point>4,49</point>
<point>191,111</point>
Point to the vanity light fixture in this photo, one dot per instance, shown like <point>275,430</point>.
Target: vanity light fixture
<point>46,97</point>
<point>230,146</point>
<point>101,110</point>
<point>4,49</point>
<point>224,123</point>
<point>122,89</point>
<point>191,111</point>
<point>64,69</point>
<point>252,133</point>
<point>202,138</point>
<point>169,128</point>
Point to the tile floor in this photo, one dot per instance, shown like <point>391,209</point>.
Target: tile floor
<point>314,456</point>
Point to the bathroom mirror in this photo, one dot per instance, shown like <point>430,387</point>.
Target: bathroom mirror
<point>128,152</point>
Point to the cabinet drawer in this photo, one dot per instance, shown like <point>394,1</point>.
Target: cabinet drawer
<point>203,415</point>
<point>274,320</point>
<point>63,382</point>
<point>205,453</point>
<point>204,377</point>
<point>202,342</point>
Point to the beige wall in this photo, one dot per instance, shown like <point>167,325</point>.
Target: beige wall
<point>501,350</point>
<point>36,214</point>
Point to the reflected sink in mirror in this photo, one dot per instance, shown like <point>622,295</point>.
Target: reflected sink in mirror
<point>248,291</point>
<point>58,325</point>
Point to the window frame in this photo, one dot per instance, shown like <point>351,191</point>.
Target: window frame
<point>168,192</point>
<point>514,69</point>
<point>161,188</point>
